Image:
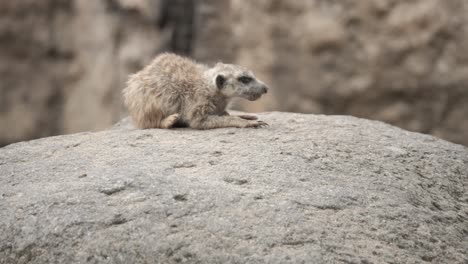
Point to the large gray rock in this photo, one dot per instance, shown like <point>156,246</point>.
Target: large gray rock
<point>308,189</point>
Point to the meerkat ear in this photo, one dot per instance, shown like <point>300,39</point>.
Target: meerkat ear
<point>220,80</point>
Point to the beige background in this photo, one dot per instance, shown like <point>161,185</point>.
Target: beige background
<point>64,63</point>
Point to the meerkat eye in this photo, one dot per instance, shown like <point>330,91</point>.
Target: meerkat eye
<point>245,79</point>
<point>220,80</point>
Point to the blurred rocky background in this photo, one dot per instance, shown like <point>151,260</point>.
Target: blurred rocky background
<point>63,63</point>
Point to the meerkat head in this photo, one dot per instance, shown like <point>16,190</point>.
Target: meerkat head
<point>235,81</point>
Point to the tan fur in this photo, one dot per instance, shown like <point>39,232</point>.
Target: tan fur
<point>176,90</point>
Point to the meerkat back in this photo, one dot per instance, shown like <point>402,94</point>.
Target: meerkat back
<point>159,89</point>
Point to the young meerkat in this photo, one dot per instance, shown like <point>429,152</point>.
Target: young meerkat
<point>177,91</point>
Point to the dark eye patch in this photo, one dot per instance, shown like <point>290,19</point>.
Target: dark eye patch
<point>245,79</point>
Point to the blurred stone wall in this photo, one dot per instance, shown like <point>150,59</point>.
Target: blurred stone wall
<point>63,63</point>
<point>401,61</point>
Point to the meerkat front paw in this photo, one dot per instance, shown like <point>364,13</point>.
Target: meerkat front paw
<point>257,124</point>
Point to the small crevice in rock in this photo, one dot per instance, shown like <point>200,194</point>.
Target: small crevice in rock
<point>437,205</point>
<point>217,153</point>
<point>112,189</point>
<point>184,165</point>
<point>298,242</point>
<point>118,219</point>
<point>258,197</point>
<point>180,197</point>
<point>144,136</point>
<point>428,258</point>
<point>235,181</point>
<point>333,207</point>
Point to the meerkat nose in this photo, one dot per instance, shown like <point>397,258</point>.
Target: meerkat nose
<point>265,89</point>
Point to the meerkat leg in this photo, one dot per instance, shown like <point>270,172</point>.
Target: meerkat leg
<point>246,117</point>
<point>212,121</point>
<point>169,121</point>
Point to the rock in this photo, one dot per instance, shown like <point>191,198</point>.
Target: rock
<point>308,189</point>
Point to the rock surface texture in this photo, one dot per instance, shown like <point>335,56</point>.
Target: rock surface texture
<point>308,189</point>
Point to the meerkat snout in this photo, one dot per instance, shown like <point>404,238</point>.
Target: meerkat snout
<point>256,92</point>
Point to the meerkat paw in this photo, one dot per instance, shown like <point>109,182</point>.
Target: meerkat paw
<point>170,121</point>
<point>248,117</point>
<point>257,124</point>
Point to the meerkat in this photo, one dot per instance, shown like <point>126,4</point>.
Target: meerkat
<point>177,91</point>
